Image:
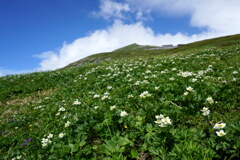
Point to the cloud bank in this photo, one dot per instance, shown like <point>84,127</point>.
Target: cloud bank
<point>217,15</point>
<point>220,17</point>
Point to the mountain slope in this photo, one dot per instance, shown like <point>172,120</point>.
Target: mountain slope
<point>183,106</point>
<point>135,50</point>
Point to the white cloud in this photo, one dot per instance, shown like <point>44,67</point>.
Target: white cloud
<point>116,36</point>
<point>220,16</point>
<point>111,9</point>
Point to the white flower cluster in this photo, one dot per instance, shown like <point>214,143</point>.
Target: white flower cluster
<point>145,94</point>
<point>112,107</point>
<point>96,96</point>
<point>220,126</point>
<point>235,72</point>
<point>205,111</point>
<point>67,124</point>
<point>130,96</point>
<point>62,109</point>
<point>143,82</point>
<point>190,89</point>
<point>61,135</point>
<point>123,113</point>
<point>162,121</point>
<point>76,102</point>
<point>194,80</point>
<point>47,140</point>
<point>109,87</point>
<point>185,74</point>
<point>210,100</point>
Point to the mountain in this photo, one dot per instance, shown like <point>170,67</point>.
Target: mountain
<point>135,50</point>
<point>137,102</point>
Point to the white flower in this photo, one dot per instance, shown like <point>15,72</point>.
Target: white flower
<point>145,82</point>
<point>210,100</point>
<point>204,109</point>
<point>205,113</point>
<point>44,144</point>
<point>219,125</point>
<point>61,135</point>
<point>45,140</point>
<point>61,109</point>
<point>96,96</point>
<point>148,71</point>
<point>162,125</point>
<point>186,74</point>
<point>185,93</point>
<point>130,96</point>
<point>19,157</point>
<point>105,97</point>
<point>76,102</point>
<point>145,94</point>
<point>109,87</point>
<point>159,116</point>
<point>123,113</point>
<point>158,121</point>
<point>194,80</point>
<point>96,107</point>
<point>138,82</point>
<point>171,79</point>
<point>67,124</point>
<point>235,72</point>
<point>106,93</point>
<point>220,133</point>
<point>166,120</point>
<point>50,136</point>
<point>190,89</point>
<point>112,107</point>
<point>156,88</point>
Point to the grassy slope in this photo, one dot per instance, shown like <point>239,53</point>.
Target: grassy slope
<point>29,104</point>
<point>134,50</point>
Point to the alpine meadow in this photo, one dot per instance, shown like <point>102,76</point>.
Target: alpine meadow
<point>137,102</point>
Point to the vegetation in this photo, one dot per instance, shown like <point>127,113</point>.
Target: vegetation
<point>180,104</point>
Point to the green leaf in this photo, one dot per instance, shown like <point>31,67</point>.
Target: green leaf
<point>82,143</point>
<point>66,149</point>
<point>74,147</point>
<point>139,118</point>
<point>134,153</point>
<point>123,141</point>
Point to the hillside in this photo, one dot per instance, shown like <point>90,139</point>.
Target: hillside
<point>180,103</point>
<point>135,50</point>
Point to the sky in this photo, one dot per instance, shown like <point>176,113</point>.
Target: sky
<point>42,35</point>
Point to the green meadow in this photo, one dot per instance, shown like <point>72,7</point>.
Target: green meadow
<point>133,103</point>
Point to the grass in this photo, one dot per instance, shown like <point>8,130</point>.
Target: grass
<point>77,112</point>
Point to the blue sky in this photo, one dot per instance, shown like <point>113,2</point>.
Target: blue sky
<point>38,35</point>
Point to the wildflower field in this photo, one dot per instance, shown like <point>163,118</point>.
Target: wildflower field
<point>182,106</point>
